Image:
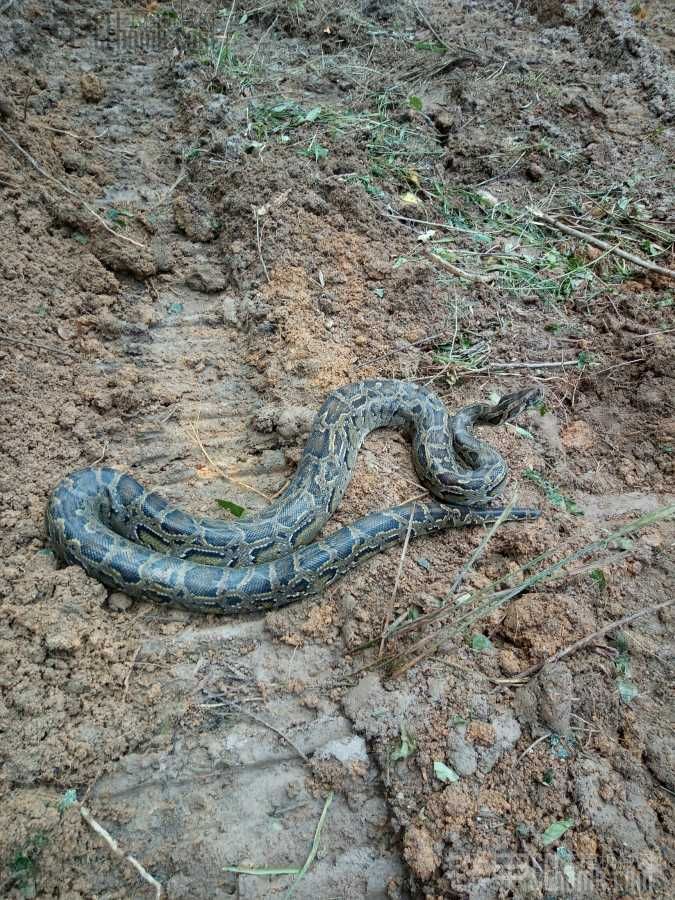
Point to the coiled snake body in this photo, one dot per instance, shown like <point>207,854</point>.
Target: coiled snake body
<point>135,541</point>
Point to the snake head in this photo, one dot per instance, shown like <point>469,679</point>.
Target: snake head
<point>512,405</point>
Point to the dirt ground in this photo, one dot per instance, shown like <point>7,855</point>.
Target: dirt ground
<point>210,217</point>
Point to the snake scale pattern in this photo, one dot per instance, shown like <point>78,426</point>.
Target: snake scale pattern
<point>133,540</point>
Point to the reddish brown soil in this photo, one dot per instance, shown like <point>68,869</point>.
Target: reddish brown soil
<point>251,263</point>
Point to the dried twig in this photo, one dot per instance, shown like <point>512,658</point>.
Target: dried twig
<point>578,645</point>
<point>390,606</point>
<point>460,273</point>
<point>529,749</point>
<point>258,240</point>
<point>480,549</point>
<point>532,365</point>
<point>224,37</point>
<point>467,53</point>
<point>235,706</point>
<point>597,242</point>
<point>192,432</point>
<point>45,174</point>
<point>35,345</point>
<point>117,850</point>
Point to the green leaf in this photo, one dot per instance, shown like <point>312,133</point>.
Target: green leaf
<point>555,831</point>
<point>444,773</point>
<point>622,664</point>
<point>313,114</point>
<point>242,870</point>
<point>407,746</point>
<point>628,690</point>
<point>69,799</point>
<point>316,151</point>
<point>479,643</point>
<point>433,46</point>
<point>415,102</point>
<point>553,495</point>
<point>598,576</point>
<point>234,508</point>
<point>584,360</point>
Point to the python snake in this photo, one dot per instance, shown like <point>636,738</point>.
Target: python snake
<point>135,541</point>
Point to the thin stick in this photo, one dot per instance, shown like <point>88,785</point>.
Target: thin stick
<point>460,273</point>
<point>260,721</point>
<point>561,654</point>
<point>127,678</point>
<point>194,434</point>
<point>225,33</point>
<point>390,606</point>
<point>480,549</point>
<point>258,240</point>
<point>597,242</point>
<point>443,225</point>
<point>533,745</point>
<point>438,37</point>
<point>117,850</point>
<point>531,365</point>
<point>34,163</point>
<point>46,347</point>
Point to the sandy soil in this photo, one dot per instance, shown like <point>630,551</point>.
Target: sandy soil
<point>210,219</point>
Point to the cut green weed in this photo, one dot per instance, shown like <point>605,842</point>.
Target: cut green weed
<point>300,871</point>
<point>233,508</point>
<point>473,607</point>
<point>627,688</point>
<point>24,863</point>
<point>553,495</point>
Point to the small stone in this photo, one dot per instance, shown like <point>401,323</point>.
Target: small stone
<point>419,852</point>
<point>661,761</point>
<point>7,110</point>
<point>509,662</point>
<point>92,88</point>
<point>577,436</point>
<point>231,310</point>
<point>345,750</point>
<point>535,172</point>
<point>545,704</point>
<point>461,754</point>
<point>481,733</point>
<point>119,602</point>
<point>207,279</point>
<point>443,121</point>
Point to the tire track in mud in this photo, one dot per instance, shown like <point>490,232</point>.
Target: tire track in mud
<point>229,791</point>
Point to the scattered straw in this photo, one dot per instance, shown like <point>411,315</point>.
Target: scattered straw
<point>234,707</point>
<point>390,605</point>
<point>71,193</point>
<point>470,608</point>
<point>117,850</point>
<point>193,433</point>
<point>584,642</point>
<point>480,549</point>
<point>597,242</point>
<point>290,870</point>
